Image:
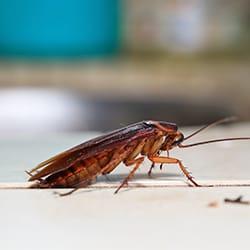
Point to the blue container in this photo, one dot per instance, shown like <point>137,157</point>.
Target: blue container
<point>59,27</point>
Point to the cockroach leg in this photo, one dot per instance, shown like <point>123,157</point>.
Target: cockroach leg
<point>151,168</point>
<point>137,163</point>
<point>161,159</point>
<point>80,185</point>
<point>153,165</point>
<point>66,193</point>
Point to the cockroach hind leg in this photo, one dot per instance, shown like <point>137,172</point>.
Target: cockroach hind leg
<point>80,185</point>
<point>66,193</point>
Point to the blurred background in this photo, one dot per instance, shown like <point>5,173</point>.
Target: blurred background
<point>77,65</point>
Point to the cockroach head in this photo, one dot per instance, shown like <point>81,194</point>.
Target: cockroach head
<point>172,136</point>
<point>172,140</point>
<point>178,139</point>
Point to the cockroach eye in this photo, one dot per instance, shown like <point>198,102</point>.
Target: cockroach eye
<point>179,138</point>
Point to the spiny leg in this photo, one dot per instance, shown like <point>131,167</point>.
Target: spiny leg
<point>161,159</point>
<point>137,163</point>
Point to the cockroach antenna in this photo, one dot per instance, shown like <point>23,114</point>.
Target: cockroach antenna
<point>228,119</point>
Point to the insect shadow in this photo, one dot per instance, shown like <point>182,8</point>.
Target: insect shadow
<point>138,176</point>
<point>118,178</point>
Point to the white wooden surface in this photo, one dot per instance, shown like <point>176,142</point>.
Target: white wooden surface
<point>136,218</point>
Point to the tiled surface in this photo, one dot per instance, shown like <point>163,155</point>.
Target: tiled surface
<point>141,218</point>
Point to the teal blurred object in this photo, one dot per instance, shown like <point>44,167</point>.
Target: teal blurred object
<point>46,28</point>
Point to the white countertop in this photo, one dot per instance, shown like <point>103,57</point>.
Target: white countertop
<point>136,218</point>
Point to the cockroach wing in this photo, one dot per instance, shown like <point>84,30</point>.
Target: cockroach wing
<point>90,148</point>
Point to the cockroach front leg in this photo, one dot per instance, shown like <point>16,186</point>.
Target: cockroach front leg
<point>137,163</point>
<point>161,159</point>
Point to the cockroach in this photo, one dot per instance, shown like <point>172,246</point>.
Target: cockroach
<point>78,166</point>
